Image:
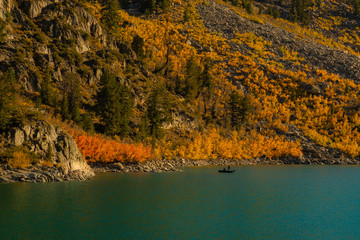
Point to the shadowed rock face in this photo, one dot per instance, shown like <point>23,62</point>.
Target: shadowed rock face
<point>41,138</point>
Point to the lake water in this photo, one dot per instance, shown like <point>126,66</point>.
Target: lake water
<point>266,202</point>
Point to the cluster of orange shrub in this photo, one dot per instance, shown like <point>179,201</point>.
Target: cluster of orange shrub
<point>210,145</point>
<point>96,148</point>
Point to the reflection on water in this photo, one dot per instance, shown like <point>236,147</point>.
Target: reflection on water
<point>268,202</point>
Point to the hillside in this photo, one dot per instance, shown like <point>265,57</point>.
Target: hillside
<point>251,81</point>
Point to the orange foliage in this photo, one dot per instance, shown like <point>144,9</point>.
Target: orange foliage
<point>98,149</point>
<point>47,164</point>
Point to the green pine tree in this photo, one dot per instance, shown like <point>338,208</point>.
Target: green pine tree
<point>7,95</point>
<point>138,45</point>
<point>247,5</point>
<point>114,105</point>
<point>87,123</point>
<point>165,4</point>
<point>356,6</point>
<point>109,13</point>
<point>158,111</point>
<point>46,92</point>
<point>299,11</point>
<point>206,77</point>
<point>240,108</point>
<point>192,78</point>
<point>148,6</point>
<point>73,95</point>
<point>65,108</point>
<point>124,4</point>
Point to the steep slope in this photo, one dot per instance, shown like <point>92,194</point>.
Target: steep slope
<point>199,79</point>
<point>304,61</point>
<point>221,19</point>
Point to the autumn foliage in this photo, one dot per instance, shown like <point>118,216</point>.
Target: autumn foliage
<point>240,145</point>
<point>99,149</point>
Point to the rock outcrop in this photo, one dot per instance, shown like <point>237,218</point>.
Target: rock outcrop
<point>45,140</point>
<point>5,7</point>
<point>60,35</point>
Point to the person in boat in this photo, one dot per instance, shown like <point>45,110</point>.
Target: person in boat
<point>224,169</point>
<point>228,168</point>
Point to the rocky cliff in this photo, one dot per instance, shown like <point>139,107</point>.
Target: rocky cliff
<point>52,144</point>
<point>58,35</point>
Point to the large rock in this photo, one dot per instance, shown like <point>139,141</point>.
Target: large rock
<point>34,8</point>
<point>311,89</point>
<point>5,7</point>
<point>43,138</point>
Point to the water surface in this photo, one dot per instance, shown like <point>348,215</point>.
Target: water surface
<point>266,202</point>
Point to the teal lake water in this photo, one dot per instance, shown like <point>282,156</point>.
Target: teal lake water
<point>266,202</point>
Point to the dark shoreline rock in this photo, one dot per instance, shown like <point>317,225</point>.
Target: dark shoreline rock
<point>174,165</point>
<point>39,174</point>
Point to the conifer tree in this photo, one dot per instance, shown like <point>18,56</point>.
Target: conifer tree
<point>87,123</point>
<point>114,105</point>
<point>72,89</point>
<point>165,4</point>
<point>46,92</point>
<point>248,6</point>
<point>318,3</point>
<point>192,78</point>
<point>126,106</point>
<point>299,11</point>
<point>138,45</point>
<point>356,6</point>
<point>148,6</point>
<point>124,4</point>
<point>206,78</point>
<point>235,2</point>
<point>187,14</point>
<point>65,108</point>
<point>158,111</point>
<point>109,13</point>
<point>240,107</point>
<point>7,92</point>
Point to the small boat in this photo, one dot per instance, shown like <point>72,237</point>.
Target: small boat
<point>226,171</point>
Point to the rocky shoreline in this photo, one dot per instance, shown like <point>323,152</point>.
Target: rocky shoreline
<point>40,174</point>
<point>174,165</point>
<point>164,165</point>
<point>52,174</point>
